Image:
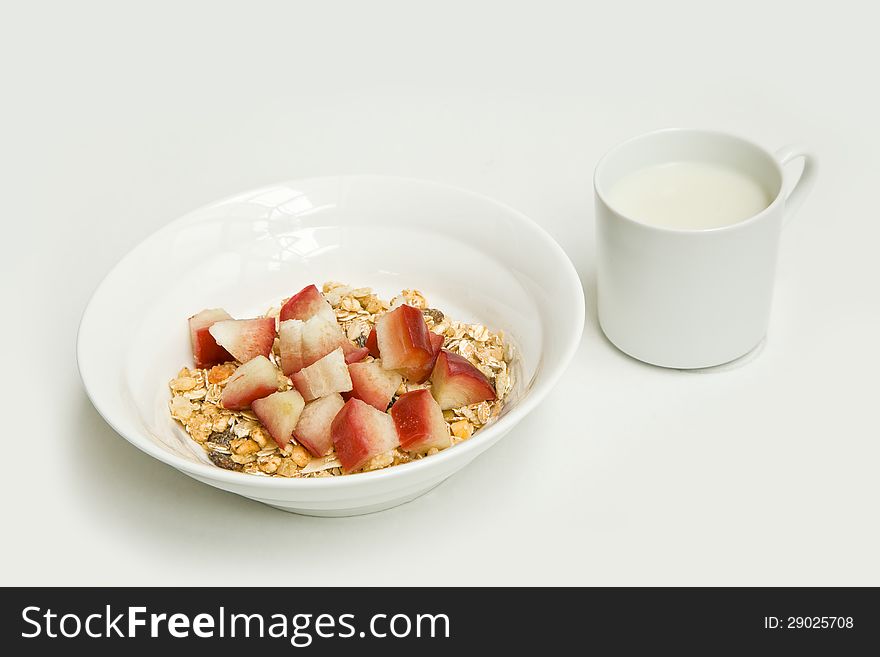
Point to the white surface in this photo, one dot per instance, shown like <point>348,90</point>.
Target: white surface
<point>691,298</point>
<point>248,252</point>
<point>116,120</point>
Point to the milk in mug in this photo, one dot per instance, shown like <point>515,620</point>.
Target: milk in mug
<point>688,195</point>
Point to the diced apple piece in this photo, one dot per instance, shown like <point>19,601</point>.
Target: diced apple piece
<point>419,422</point>
<point>321,336</point>
<point>357,355</point>
<point>206,351</point>
<point>404,340</point>
<point>436,343</point>
<point>421,374</point>
<point>323,377</point>
<point>255,379</point>
<point>360,432</point>
<point>290,336</point>
<point>245,338</point>
<point>279,413</point>
<point>456,382</point>
<point>306,342</point>
<point>372,344</point>
<point>313,429</point>
<point>374,384</point>
<point>307,303</point>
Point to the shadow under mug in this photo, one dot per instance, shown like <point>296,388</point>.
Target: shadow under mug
<point>686,298</point>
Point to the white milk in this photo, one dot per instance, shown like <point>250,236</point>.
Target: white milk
<point>688,195</point>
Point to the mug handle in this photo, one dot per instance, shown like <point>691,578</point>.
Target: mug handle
<point>802,186</point>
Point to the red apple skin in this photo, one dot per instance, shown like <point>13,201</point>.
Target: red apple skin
<point>372,383</point>
<point>206,351</point>
<point>419,422</point>
<point>255,379</point>
<point>372,344</point>
<point>306,342</point>
<point>404,339</point>
<point>360,432</point>
<point>245,338</point>
<point>421,374</point>
<point>279,413</point>
<point>357,355</point>
<point>305,304</point>
<point>456,382</point>
<point>436,343</point>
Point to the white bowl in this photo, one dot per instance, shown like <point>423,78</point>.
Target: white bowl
<point>472,257</point>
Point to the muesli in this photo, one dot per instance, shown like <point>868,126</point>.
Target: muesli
<point>338,381</point>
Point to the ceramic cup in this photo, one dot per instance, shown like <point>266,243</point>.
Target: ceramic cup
<point>686,298</point>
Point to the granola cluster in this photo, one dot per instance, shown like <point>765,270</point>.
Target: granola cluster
<point>235,440</point>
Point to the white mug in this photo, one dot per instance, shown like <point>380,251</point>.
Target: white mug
<point>688,298</point>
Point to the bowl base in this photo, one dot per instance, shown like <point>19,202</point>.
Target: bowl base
<point>352,511</point>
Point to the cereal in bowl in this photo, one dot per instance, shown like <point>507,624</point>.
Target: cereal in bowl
<point>337,381</point>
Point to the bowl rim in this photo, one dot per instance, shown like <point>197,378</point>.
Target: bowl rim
<point>543,384</point>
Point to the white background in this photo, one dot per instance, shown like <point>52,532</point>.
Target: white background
<point>118,117</point>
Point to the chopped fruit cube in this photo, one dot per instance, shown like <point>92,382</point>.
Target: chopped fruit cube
<point>348,347</point>
<point>306,342</point>
<point>255,379</point>
<point>360,432</point>
<point>206,351</point>
<point>421,374</point>
<point>320,337</point>
<point>305,304</point>
<point>419,422</point>
<point>313,429</point>
<point>357,355</point>
<point>404,339</point>
<point>323,377</point>
<point>456,382</point>
<point>373,344</point>
<point>374,384</point>
<point>279,413</point>
<point>245,338</point>
<point>290,336</point>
